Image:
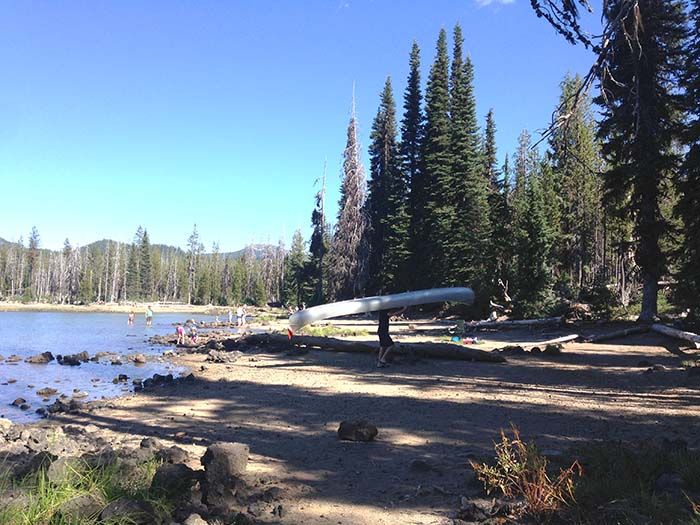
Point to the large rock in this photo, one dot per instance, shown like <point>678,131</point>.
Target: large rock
<point>223,488</point>
<point>47,392</point>
<point>357,431</point>
<point>173,454</point>
<point>73,359</point>
<point>81,508</point>
<point>136,512</point>
<point>63,469</point>
<point>40,359</point>
<point>194,519</point>
<point>173,479</point>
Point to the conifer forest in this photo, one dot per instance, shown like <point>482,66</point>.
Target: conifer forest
<point>603,207</point>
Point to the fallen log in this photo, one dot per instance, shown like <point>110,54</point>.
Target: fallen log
<point>520,323</point>
<point>693,339</point>
<point>434,350</point>
<point>563,339</point>
<point>641,329</point>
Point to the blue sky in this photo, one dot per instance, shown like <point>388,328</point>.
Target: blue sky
<point>166,113</point>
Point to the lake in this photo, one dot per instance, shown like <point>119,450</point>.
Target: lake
<point>29,333</point>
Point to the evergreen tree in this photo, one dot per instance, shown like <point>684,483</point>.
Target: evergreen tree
<point>318,247</point>
<point>497,204</point>
<point>469,235</point>
<point>437,165</point>
<point>640,115</point>
<point>133,275</point>
<point>295,268</point>
<point>32,258</point>
<point>347,254</point>
<point>688,290</point>
<point>576,164</point>
<point>145,266</point>
<point>194,247</point>
<point>386,203</point>
<point>411,153</point>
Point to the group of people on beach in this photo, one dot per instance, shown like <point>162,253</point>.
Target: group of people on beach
<point>190,327</point>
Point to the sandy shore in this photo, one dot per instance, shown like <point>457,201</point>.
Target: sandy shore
<point>287,408</point>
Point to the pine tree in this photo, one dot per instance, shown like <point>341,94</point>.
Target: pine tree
<point>295,267</point>
<point>133,274</point>
<point>411,153</point>
<point>468,239</point>
<point>497,205</point>
<point>194,247</point>
<point>576,165</point>
<point>386,203</point>
<point>145,266</point>
<point>347,254</point>
<point>437,165</point>
<point>32,258</point>
<point>688,290</point>
<point>319,245</point>
<point>640,115</point>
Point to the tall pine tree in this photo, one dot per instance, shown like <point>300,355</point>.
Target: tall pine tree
<point>386,203</point>
<point>145,266</point>
<point>411,152</point>
<point>318,247</point>
<point>347,254</point>
<point>469,235</point>
<point>437,166</point>
<point>688,207</point>
<point>640,116</point>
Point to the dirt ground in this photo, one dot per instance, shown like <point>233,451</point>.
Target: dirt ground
<point>287,408</point>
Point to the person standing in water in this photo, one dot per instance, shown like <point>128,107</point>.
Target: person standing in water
<point>130,319</point>
<point>230,316</point>
<point>386,343</point>
<point>180,331</point>
<point>149,316</point>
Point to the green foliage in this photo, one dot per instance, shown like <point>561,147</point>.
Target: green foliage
<point>330,330</point>
<point>105,484</point>
<point>296,274</point>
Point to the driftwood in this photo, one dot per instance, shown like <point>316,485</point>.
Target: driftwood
<point>434,350</point>
<point>693,339</point>
<point>563,339</point>
<point>521,323</point>
<point>618,333</point>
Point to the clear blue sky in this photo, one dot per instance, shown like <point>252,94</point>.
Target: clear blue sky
<point>166,113</point>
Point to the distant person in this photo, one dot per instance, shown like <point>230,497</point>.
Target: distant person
<point>230,316</point>
<point>130,319</point>
<point>386,343</point>
<point>149,316</point>
<point>180,331</point>
<point>239,316</point>
<point>245,312</point>
<point>193,334</point>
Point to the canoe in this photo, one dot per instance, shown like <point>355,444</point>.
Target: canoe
<point>380,302</point>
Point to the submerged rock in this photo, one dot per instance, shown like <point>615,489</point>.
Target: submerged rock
<point>40,359</point>
<point>47,392</point>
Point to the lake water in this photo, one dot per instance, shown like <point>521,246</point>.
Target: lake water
<point>29,333</point>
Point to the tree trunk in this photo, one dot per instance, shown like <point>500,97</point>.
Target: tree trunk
<point>650,294</point>
<point>693,339</point>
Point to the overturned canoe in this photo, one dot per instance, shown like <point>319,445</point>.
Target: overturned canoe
<point>379,302</point>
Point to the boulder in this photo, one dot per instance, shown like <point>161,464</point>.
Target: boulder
<point>40,359</point>
<point>223,489</point>
<point>357,431</point>
<point>135,511</point>
<point>173,479</point>
<point>19,401</point>
<point>138,359</point>
<point>13,359</point>
<point>73,359</point>
<point>81,508</point>
<point>47,392</point>
<point>63,469</point>
<point>173,454</point>
<point>194,519</point>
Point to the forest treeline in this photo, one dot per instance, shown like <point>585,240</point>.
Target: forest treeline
<point>112,271</point>
<point>606,212</point>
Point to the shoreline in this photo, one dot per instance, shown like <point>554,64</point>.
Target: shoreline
<point>110,308</point>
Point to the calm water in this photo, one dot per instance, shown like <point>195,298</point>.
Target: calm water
<point>29,333</point>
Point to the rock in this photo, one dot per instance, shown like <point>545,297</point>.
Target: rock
<point>173,454</point>
<point>19,401</point>
<point>216,356</point>
<point>74,359</point>
<point>272,494</point>
<point>13,359</point>
<point>470,512</point>
<point>116,362</point>
<point>101,458</point>
<point>357,431</point>
<point>535,350</point>
<point>669,483</point>
<point>151,443</point>
<point>17,498</point>
<point>173,479</point>
<point>660,368</point>
<point>194,519</point>
<point>242,519</point>
<point>63,469</point>
<point>5,424</point>
<point>224,463</point>
<point>138,359</point>
<point>40,359</point>
<point>79,394</point>
<point>81,508</point>
<point>47,392</point>
<point>137,512</point>
<point>101,355</point>
<point>25,406</point>
<point>553,349</point>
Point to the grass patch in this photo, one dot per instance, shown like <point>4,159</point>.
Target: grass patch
<point>330,330</point>
<point>599,483</point>
<point>41,501</point>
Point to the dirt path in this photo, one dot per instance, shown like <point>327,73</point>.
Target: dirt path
<point>287,408</point>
